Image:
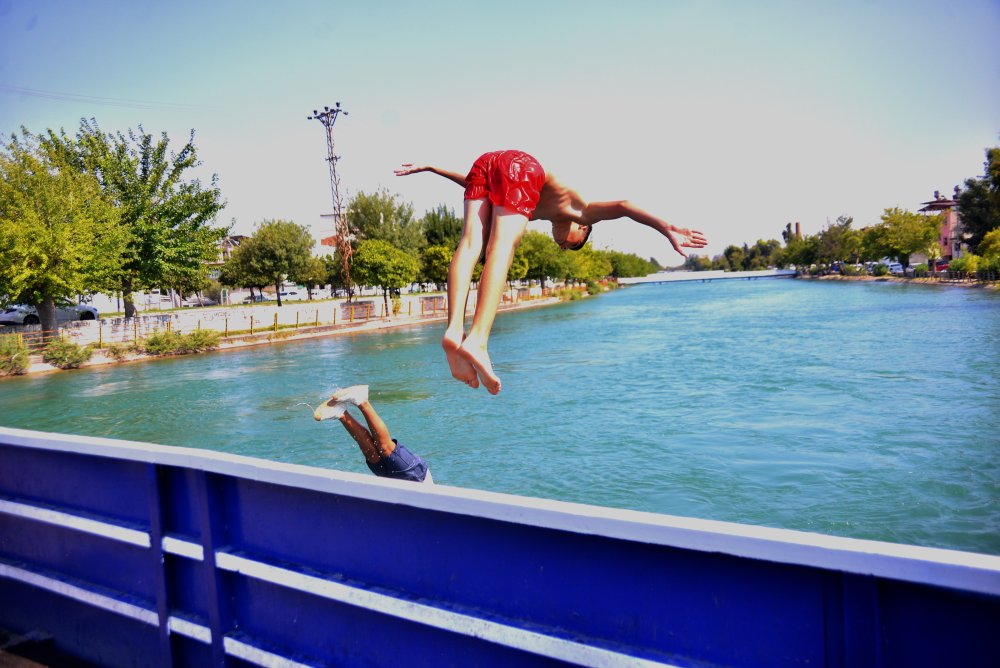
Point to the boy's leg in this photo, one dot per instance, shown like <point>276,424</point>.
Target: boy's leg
<point>463,263</point>
<point>506,231</point>
<point>395,461</point>
<point>362,437</point>
<point>379,431</point>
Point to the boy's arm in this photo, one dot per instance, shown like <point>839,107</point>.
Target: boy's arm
<point>598,211</point>
<point>409,168</point>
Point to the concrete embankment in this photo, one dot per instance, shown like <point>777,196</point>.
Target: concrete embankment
<point>268,334</point>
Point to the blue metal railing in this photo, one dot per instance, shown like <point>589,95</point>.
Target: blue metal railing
<point>129,553</point>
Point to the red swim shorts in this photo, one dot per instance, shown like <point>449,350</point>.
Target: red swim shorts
<point>512,179</point>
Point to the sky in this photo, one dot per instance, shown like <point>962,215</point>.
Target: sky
<point>733,118</point>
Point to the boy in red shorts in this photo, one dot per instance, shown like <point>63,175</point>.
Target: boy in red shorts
<point>503,190</point>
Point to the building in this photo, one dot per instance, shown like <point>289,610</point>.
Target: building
<point>950,239</point>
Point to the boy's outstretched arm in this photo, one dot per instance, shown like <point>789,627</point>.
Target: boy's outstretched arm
<point>408,168</point>
<point>598,211</point>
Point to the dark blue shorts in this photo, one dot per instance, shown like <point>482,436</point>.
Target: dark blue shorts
<point>401,465</point>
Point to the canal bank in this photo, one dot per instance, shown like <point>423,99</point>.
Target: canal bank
<point>275,334</point>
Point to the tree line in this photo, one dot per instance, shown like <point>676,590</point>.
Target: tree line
<point>898,233</point>
<point>119,213</point>
<point>393,248</point>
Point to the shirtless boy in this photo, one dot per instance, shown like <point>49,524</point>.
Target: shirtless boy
<point>385,456</point>
<point>503,190</point>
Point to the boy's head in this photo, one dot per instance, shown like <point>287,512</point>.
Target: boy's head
<point>570,236</point>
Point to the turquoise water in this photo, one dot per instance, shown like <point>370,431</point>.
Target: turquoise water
<point>866,410</point>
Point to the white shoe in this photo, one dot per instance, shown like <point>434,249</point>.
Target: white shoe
<point>355,394</point>
<point>331,409</point>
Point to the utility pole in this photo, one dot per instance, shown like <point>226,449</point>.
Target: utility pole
<point>328,117</point>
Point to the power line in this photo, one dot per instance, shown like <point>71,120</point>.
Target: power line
<point>94,99</point>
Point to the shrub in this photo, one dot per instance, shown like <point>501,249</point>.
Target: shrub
<point>162,343</point>
<point>120,351</point>
<point>593,287</point>
<point>202,339</point>
<point>13,356</point>
<point>849,270</point>
<point>172,343</point>
<point>920,271</point>
<point>880,270</point>
<point>66,354</point>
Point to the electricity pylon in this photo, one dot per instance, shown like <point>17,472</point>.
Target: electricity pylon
<point>341,227</point>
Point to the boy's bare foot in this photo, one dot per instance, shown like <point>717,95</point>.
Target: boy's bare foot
<point>477,356</point>
<point>461,369</point>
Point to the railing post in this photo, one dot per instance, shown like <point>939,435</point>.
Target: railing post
<point>159,567</point>
<point>251,323</point>
<point>275,322</point>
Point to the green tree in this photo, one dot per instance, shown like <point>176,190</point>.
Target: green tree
<point>907,233</point>
<point>875,243</point>
<point>382,216</point>
<point>313,275</point>
<point>237,271</point>
<point>979,203</point>
<point>762,254</point>
<point>695,262</point>
<point>734,256</point>
<point>802,252</point>
<point>277,249</point>
<point>838,241</point>
<point>442,227</point>
<point>165,216</point>
<point>628,265</point>
<point>435,262</point>
<point>377,262</point>
<point>58,236</point>
<point>989,247</point>
<point>587,264</point>
<point>518,266</point>
<point>545,258</point>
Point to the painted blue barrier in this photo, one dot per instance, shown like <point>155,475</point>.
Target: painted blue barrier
<point>135,554</point>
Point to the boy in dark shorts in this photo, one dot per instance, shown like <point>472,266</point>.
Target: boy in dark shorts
<point>385,456</point>
<point>503,190</point>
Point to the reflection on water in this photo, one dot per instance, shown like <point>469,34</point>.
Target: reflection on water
<point>868,410</point>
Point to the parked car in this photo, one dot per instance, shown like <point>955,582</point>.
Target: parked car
<point>292,296</point>
<point>895,268</point>
<point>24,314</point>
<point>195,300</point>
<point>941,265</point>
<point>256,299</point>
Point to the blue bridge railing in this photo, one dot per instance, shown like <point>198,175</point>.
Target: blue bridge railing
<point>135,554</point>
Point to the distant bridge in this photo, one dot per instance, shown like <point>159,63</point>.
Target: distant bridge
<point>705,276</point>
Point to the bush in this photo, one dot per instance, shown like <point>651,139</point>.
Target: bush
<point>162,343</point>
<point>568,294</point>
<point>172,343</point>
<point>120,351</point>
<point>849,270</point>
<point>880,270</point>
<point>201,340</point>
<point>66,354</point>
<point>593,287</point>
<point>920,271</point>
<point>13,356</point>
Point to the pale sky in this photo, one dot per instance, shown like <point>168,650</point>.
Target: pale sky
<point>730,117</point>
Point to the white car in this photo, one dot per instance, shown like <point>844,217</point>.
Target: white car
<point>23,314</point>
